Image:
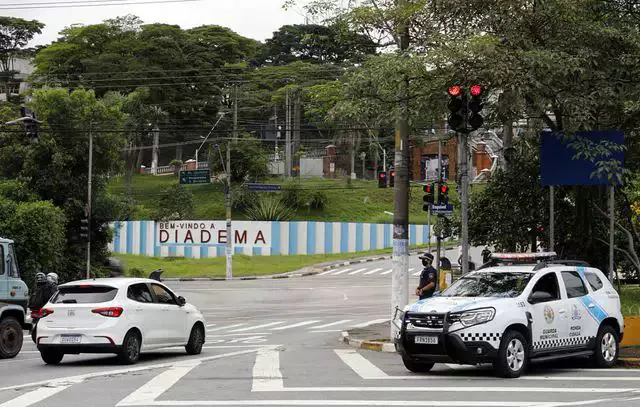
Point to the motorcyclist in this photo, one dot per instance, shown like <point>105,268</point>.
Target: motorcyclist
<point>53,279</point>
<point>486,255</point>
<point>42,293</point>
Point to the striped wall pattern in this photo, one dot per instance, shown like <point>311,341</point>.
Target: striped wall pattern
<point>287,238</point>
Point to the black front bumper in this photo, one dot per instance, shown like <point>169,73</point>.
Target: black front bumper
<point>78,349</point>
<point>450,349</point>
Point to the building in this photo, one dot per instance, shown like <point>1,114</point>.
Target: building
<point>22,68</point>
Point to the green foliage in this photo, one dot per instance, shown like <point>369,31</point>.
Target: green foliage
<point>177,203</point>
<point>136,272</point>
<point>293,196</point>
<point>249,160</point>
<point>269,208</point>
<point>318,199</point>
<point>17,191</point>
<point>38,229</point>
<point>242,199</point>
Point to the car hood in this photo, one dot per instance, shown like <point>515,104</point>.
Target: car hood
<point>455,304</point>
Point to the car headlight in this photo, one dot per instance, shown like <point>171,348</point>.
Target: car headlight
<point>477,316</point>
<point>398,317</point>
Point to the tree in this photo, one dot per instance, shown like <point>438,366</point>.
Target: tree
<point>177,204</point>
<point>15,34</point>
<point>248,160</point>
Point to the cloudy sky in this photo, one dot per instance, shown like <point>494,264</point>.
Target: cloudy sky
<point>255,19</point>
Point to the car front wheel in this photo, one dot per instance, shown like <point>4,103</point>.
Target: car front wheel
<point>512,356</point>
<point>416,366</point>
<point>196,340</point>
<point>607,347</point>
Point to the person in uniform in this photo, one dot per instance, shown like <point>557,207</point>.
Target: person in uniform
<point>428,277</point>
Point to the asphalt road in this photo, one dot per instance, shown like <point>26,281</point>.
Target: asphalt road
<point>275,343</point>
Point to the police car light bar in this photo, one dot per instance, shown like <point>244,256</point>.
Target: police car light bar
<point>524,256</point>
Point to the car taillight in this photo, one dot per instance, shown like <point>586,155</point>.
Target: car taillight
<point>113,312</point>
<point>43,312</point>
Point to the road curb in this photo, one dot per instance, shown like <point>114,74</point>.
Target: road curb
<point>365,344</point>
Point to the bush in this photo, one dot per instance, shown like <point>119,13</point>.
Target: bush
<point>17,191</point>
<point>136,272</point>
<point>242,199</point>
<point>249,157</point>
<point>176,203</point>
<point>317,199</point>
<point>293,196</point>
<point>269,209</point>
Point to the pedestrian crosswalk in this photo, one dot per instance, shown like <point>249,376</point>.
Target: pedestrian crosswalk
<point>283,325</point>
<point>366,271</point>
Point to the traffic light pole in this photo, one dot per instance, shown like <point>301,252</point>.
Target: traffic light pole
<point>439,238</point>
<point>464,167</point>
<point>89,200</point>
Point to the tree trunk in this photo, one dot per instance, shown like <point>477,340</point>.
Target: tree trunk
<point>179,152</point>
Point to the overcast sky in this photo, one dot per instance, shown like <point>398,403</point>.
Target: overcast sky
<point>255,19</point>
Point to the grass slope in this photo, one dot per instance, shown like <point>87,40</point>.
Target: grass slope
<point>362,201</point>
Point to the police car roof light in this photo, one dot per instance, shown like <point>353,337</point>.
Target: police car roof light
<point>523,256</point>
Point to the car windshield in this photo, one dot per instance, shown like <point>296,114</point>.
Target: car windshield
<point>494,284</point>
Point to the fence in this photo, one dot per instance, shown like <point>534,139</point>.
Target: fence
<point>200,239</point>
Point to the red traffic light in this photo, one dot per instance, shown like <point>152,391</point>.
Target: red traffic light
<point>476,90</point>
<point>444,189</point>
<point>455,90</point>
<point>428,189</point>
<point>382,175</point>
<point>392,173</point>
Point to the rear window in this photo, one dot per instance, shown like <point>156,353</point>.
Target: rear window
<point>84,295</point>
<point>594,281</point>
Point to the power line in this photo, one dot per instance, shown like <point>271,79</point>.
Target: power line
<point>87,3</point>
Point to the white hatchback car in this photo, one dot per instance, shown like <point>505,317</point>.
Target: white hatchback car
<point>117,315</point>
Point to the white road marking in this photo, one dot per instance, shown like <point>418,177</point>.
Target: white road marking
<point>35,396</point>
<point>341,272</point>
<point>360,365</point>
<point>372,271</point>
<point>459,367</point>
<point>357,271</point>
<point>386,272</point>
<point>327,272</point>
<point>210,325</point>
<point>327,330</point>
<point>421,403</point>
<point>366,324</point>
<point>240,334</point>
<point>251,328</point>
<point>523,378</point>
<point>266,371</point>
<point>455,389</point>
<point>343,321</point>
<point>299,324</point>
<point>142,368</point>
<point>225,327</point>
<point>155,387</point>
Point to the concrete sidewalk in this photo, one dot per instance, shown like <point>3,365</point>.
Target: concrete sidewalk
<point>376,338</point>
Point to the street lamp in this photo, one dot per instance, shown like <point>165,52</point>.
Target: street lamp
<point>220,116</point>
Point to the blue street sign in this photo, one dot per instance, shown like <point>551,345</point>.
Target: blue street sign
<point>442,209</point>
<point>264,187</point>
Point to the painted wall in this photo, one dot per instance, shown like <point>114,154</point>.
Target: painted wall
<point>188,239</point>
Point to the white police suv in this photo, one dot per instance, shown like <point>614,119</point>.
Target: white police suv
<point>515,309</point>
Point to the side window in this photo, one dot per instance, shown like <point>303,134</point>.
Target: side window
<point>575,285</point>
<point>2,262</point>
<point>548,284</point>
<point>593,280</point>
<point>139,293</point>
<point>13,264</point>
<point>162,295</point>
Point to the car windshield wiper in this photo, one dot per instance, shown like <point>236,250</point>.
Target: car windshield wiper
<point>69,301</point>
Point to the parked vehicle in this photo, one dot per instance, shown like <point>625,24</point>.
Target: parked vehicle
<point>14,296</point>
<point>124,316</point>
<point>520,308</point>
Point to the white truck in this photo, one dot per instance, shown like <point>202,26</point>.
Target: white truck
<point>518,308</point>
<point>14,296</point>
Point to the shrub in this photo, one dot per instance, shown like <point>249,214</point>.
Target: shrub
<point>293,195</point>
<point>136,272</point>
<point>269,209</point>
<point>242,199</point>
<point>317,199</point>
<point>176,203</point>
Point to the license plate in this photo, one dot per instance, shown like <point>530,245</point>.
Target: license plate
<point>70,339</point>
<point>427,340</point>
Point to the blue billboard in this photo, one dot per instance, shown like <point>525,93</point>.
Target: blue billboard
<point>561,163</point>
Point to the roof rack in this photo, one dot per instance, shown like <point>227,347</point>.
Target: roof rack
<point>574,263</point>
<point>517,259</point>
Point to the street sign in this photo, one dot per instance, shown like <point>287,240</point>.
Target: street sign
<point>195,177</point>
<point>442,209</point>
<point>264,187</point>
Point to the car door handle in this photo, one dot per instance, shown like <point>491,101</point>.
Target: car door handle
<point>139,309</point>
<point>562,311</point>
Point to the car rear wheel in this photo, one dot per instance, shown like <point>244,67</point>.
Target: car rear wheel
<point>11,338</point>
<point>607,346</point>
<point>51,357</point>
<point>196,340</point>
<point>513,355</point>
<point>415,366</point>
<point>130,352</point>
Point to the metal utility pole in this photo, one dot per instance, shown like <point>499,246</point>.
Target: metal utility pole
<point>90,175</point>
<point>287,157</point>
<point>552,219</point>
<point>438,238</point>
<point>400,275</point>
<point>235,116</point>
<point>227,200</point>
<point>464,198</point>
<point>612,214</point>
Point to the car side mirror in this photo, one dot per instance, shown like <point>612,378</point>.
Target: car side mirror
<point>181,301</point>
<point>540,296</point>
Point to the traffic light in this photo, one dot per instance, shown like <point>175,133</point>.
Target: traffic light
<point>30,123</point>
<point>429,196</point>
<point>443,194</point>
<point>392,178</point>
<point>382,179</point>
<point>475,106</point>
<point>84,228</point>
<point>457,107</point>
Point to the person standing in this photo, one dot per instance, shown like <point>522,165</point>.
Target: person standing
<point>428,278</point>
